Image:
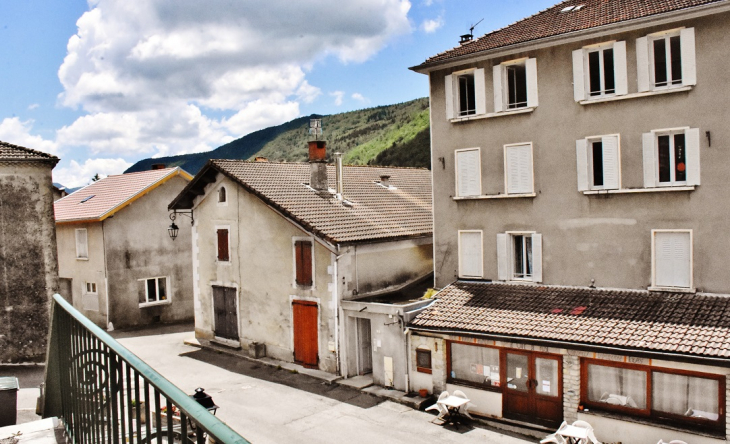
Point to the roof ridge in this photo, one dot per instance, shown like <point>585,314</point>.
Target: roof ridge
<point>12,145</point>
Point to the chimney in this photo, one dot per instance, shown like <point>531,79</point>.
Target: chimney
<point>261,159</point>
<point>466,38</point>
<point>318,165</point>
<point>385,181</point>
<point>339,178</point>
<point>158,166</point>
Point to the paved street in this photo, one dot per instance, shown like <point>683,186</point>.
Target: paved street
<point>266,405</point>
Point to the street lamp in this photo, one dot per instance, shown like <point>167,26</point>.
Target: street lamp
<point>173,229</point>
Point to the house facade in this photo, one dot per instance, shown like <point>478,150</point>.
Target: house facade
<point>577,161</point>
<point>115,255</point>
<point>278,248</point>
<point>29,272</point>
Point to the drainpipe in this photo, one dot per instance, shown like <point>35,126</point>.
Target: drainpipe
<point>407,355</point>
<point>336,298</point>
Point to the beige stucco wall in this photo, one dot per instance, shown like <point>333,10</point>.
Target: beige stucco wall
<point>606,238</point>
<point>28,261</point>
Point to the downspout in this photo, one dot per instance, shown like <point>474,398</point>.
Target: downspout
<point>407,354</point>
<point>336,298</point>
<point>109,325</point>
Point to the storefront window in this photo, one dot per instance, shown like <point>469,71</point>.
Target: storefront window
<point>474,365</point>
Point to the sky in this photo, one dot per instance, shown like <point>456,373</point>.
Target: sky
<point>104,83</point>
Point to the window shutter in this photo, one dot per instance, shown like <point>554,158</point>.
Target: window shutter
<point>619,68</point>
<point>518,171</point>
<point>503,262</point>
<point>642,64</point>
<point>672,259</point>
<point>497,82</point>
<point>223,245</point>
<point>531,71</point>
<point>449,94</point>
<point>611,162</point>
<point>82,244</point>
<point>303,254</point>
<point>579,82</point>
<point>468,172</point>
<point>141,291</point>
<point>480,91</point>
<point>649,160</point>
<point>537,257</point>
<point>692,139</point>
<point>581,154</point>
<point>689,65</point>
<point>470,254</point>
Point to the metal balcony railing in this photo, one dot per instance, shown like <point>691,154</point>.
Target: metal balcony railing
<point>105,394</point>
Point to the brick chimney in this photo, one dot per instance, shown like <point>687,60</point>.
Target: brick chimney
<point>318,165</point>
<point>158,166</point>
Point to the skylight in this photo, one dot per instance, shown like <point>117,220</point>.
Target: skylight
<point>87,198</point>
<point>572,8</point>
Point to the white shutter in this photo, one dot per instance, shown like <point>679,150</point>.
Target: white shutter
<point>611,162</point>
<point>692,155</point>
<point>531,72</point>
<point>480,91</point>
<point>468,173</point>
<point>581,154</point>
<point>619,68</point>
<point>503,262</point>
<point>650,165</point>
<point>497,83</point>
<point>518,169</point>
<point>537,257</point>
<point>449,93</point>
<point>82,243</point>
<point>579,80</point>
<point>642,64</point>
<point>470,254</point>
<point>689,65</point>
<point>672,259</point>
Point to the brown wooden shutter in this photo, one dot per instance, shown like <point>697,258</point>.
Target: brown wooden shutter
<point>303,253</point>
<point>223,245</point>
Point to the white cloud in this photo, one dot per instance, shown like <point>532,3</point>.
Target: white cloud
<point>338,95</point>
<point>12,130</point>
<point>77,174</point>
<point>429,26</point>
<point>260,114</point>
<point>33,106</point>
<point>359,97</point>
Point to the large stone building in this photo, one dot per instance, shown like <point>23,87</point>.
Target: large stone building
<point>28,265</point>
<point>580,201</point>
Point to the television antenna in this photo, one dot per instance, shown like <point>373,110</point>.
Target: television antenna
<point>315,127</point>
<point>471,28</point>
<point>469,37</point>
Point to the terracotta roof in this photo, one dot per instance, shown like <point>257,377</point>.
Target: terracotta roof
<point>680,323</point>
<point>553,22</point>
<point>16,153</point>
<point>106,196</point>
<point>376,213</point>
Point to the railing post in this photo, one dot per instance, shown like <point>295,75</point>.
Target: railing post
<point>51,404</point>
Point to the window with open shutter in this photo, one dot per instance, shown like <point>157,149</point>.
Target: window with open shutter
<point>468,172</point>
<point>470,254</point>
<point>303,256</point>
<point>672,258</point>
<point>666,60</point>
<point>671,157</point>
<point>465,93</point>
<point>599,163</point>
<point>600,71</point>
<point>223,255</point>
<point>518,169</point>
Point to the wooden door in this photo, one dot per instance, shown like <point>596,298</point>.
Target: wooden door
<point>305,320</point>
<point>364,347</point>
<point>225,313</point>
<point>533,392</point>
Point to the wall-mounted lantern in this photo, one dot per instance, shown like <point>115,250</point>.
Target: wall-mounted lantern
<point>173,229</point>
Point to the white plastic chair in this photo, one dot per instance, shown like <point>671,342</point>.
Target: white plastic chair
<point>443,411</point>
<point>464,409</point>
<point>585,425</point>
<point>555,438</point>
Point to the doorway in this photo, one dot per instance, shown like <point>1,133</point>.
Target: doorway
<point>225,313</point>
<point>305,319</point>
<point>364,347</point>
<point>534,391</point>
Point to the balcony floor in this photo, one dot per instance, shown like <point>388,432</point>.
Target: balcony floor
<point>44,431</point>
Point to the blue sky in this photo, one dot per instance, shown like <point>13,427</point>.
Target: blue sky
<point>104,83</point>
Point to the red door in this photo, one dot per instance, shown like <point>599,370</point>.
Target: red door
<point>306,350</point>
<point>533,392</point>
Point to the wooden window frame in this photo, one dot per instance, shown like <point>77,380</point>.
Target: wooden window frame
<point>430,361</point>
<point>450,380</point>
<point>697,424</point>
<point>303,263</point>
<point>219,257</point>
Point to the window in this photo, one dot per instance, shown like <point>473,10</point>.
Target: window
<point>666,60</point>
<point>598,161</point>
<point>518,169</point>
<point>468,172</point>
<point>473,365</point>
<point>222,243</point>
<point>303,262</point>
<point>672,259</point>
<point>672,157</point>
<point>515,85</point>
<point>465,93</point>
<point>519,256</point>
<point>470,254</point>
<point>82,244</point>
<point>155,290</point>
<point>222,195</point>
<point>600,71</point>
<point>91,288</point>
<point>671,396</point>
<point>423,360</point>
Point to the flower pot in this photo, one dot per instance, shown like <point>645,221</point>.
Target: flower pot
<point>423,393</point>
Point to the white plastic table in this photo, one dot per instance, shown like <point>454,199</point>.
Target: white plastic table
<point>574,434</point>
<point>452,404</point>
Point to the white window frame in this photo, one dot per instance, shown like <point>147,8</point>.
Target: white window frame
<point>654,285</point>
<point>294,241</point>
<point>157,300</point>
<point>645,59</point>
<point>458,190</point>
<point>225,202</point>
<point>451,92</point>
<point>505,256</point>
<point>611,159</point>
<point>581,71</point>
<point>480,275</point>
<point>650,142</point>
<point>500,80</point>
<point>508,179</point>
<point>90,288</point>
<point>82,232</point>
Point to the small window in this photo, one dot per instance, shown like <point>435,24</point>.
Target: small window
<point>222,195</point>
<point>82,244</point>
<point>467,105</point>
<point>473,365</point>
<point>468,172</point>
<point>519,257</point>
<point>666,60</point>
<point>518,169</point>
<point>465,93</point>
<point>515,85</point>
<point>672,157</point>
<point>155,290</point>
<point>222,236</point>
<point>600,71</point>
<point>91,288</point>
<point>598,160</point>
<point>672,258</point>
<point>303,263</point>
<point>470,254</point>
<point>423,360</point>
<point>522,256</point>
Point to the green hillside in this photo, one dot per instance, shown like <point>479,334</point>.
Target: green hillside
<point>360,135</point>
